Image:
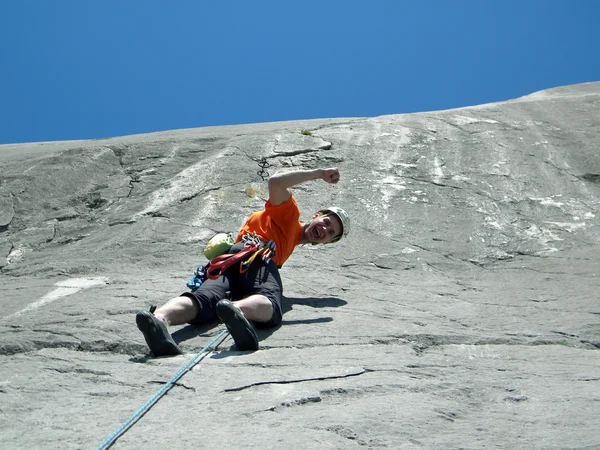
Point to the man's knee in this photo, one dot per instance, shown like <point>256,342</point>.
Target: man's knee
<point>257,308</point>
<point>276,317</point>
<point>178,310</point>
<point>270,313</point>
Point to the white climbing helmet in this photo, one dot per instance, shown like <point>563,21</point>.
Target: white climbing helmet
<point>344,220</point>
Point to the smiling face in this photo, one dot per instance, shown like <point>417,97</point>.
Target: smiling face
<point>323,228</point>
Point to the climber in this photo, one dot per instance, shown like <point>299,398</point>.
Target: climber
<point>256,293</point>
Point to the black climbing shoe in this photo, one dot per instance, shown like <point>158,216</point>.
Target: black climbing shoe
<point>156,334</point>
<point>241,330</point>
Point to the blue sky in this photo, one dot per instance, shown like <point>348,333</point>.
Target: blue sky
<point>83,69</point>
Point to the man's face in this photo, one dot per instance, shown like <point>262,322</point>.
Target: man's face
<point>323,228</point>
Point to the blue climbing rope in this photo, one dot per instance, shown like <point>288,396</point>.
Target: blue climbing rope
<point>156,397</point>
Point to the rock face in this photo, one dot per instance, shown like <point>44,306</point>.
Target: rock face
<point>462,311</point>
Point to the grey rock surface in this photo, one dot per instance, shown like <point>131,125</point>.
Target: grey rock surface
<point>462,312</point>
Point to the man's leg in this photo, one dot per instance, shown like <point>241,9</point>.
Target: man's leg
<point>263,306</point>
<point>257,308</point>
<point>197,307</point>
<point>237,315</point>
<point>178,310</point>
<point>154,327</point>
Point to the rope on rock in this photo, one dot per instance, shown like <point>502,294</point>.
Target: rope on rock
<point>156,397</point>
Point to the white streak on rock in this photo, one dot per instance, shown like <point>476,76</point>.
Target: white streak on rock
<point>187,183</point>
<point>570,227</point>
<point>464,120</point>
<point>170,155</point>
<point>547,202</point>
<point>15,255</point>
<point>438,173</point>
<point>65,287</point>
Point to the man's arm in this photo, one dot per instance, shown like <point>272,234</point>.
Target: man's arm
<point>279,184</point>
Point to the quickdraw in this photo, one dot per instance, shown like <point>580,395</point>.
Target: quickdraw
<point>265,249</point>
<point>263,164</point>
<point>197,279</point>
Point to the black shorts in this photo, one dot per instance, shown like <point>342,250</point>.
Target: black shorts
<point>260,278</point>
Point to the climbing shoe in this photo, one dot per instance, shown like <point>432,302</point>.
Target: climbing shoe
<point>241,330</point>
<point>156,334</point>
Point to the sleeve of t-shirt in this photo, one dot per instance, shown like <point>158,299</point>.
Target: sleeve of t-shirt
<point>288,210</point>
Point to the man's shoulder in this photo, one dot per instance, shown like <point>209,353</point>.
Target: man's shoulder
<point>289,204</point>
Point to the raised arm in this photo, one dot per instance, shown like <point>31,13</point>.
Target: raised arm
<point>279,184</point>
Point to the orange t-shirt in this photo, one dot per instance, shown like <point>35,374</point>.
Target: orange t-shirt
<point>278,223</point>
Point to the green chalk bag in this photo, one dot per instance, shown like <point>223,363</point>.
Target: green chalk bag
<point>218,244</point>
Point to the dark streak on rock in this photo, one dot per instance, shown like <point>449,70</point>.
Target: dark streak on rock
<point>591,177</point>
<point>518,399</point>
<point>122,222</point>
<point>302,401</point>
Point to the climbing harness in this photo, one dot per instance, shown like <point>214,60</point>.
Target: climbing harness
<point>254,246</point>
<point>162,391</point>
<point>220,264</point>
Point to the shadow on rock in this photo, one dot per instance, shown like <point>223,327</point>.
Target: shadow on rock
<point>192,331</point>
<point>314,302</point>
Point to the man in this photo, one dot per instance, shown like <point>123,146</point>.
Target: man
<point>257,292</point>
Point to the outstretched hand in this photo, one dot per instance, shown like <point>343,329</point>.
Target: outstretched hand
<point>331,175</point>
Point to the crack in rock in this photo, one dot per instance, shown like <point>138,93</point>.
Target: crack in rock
<point>12,348</point>
<point>380,266</point>
<point>422,180</point>
<point>190,388</point>
<point>300,380</point>
<point>346,433</point>
<point>336,124</point>
<point>302,401</point>
<point>7,217</point>
<point>132,178</point>
<point>78,370</point>
<point>197,194</point>
<point>422,343</point>
<point>297,152</point>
